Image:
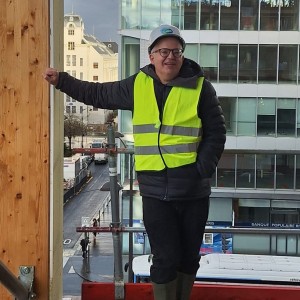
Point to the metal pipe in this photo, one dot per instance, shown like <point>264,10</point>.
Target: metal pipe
<point>115,211</point>
<point>232,230</point>
<point>130,256</point>
<point>12,283</point>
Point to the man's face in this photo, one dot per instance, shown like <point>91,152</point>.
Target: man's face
<point>166,68</point>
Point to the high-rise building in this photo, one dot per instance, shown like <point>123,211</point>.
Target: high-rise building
<point>249,50</point>
<point>87,58</point>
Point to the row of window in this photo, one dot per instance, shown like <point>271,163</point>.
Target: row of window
<point>258,171</point>
<point>212,15</point>
<point>261,116</point>
<point>247,63</point>
<point>73,59</point>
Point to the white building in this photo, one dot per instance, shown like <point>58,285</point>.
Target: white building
<point>249,50</point>
<point>86,58</point>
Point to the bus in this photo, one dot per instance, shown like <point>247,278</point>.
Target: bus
<point>234,268</point>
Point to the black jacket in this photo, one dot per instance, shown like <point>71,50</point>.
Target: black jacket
<point>182,183</point>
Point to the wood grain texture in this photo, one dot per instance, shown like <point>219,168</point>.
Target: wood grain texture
<point>24,140</point>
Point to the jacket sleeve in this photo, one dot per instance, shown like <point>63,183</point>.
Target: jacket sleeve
<point>107,95</point>
<point>214,131</point>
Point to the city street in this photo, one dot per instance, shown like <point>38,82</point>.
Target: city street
<point>89,202</point>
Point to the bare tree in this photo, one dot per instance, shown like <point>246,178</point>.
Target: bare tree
<point>73,126</point>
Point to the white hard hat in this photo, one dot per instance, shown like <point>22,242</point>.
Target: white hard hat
<point>164,31</point>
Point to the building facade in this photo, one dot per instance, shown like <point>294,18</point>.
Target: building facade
<point>250,51</point>
<point>87,58</point>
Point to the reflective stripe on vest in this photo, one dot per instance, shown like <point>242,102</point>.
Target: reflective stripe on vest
<point>177,138</point>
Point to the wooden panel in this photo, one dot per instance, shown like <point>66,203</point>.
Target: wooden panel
<point>24,139</point>
<point>133,291</point>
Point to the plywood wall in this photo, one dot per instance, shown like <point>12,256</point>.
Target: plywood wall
<point>26,197</point>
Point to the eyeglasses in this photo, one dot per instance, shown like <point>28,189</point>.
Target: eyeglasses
<point>165,52</point>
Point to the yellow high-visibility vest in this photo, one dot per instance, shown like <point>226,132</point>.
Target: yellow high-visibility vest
<point>172,142</point>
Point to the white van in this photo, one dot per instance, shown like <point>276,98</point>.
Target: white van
<point>99,158</point>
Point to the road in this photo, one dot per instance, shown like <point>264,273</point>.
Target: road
<point>86,203</point>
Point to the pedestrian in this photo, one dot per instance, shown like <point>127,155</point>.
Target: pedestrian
<point>95,224</point>
<point>179,136</point>
<point>84,244</point>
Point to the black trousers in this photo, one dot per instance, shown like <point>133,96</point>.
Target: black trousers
<point>175,230</point>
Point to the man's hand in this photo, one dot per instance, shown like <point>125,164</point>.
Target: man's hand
<point>51,75</point>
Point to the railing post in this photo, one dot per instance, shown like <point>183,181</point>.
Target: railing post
<point>115,211</point>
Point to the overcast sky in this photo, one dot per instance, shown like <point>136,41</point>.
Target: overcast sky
<point>100,17</point>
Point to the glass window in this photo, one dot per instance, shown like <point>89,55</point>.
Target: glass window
<point>71,46</point>
<point>284,171</point>
<point>209,18</point>
<point>209,61</point>
<point>229,14</point>
<point>95,65</point>
<point>269,12</point>
<point>95,78</point>
<point>68,60</point>
<point>229,107</point>
<point>249,13</point>
<point>289,15</point>
<point>245,171</point>
<point>251,212</point>
<point>286,117</point>
<point>177,18</point>
<point>81,61</point>
<point>298,118</point>
<point>68,109</point>
<point>228,63</point>
<point>267,68</point>
<point>246,118</point>
<point>297,172</point>
<point>266,111</point>
<point>226,171</point>
<point>73,109</point>
<point>130,15</point>
<point>287,69</point>
<point>191,15</point>
<point>192,51</point>
<point>131,55</point>
<point>248,64</point>
<point>265,165</point>
<point>74,60</point>
<point>155,13</point>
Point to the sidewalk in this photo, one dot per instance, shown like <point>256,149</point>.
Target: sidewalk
<point>99,266</point>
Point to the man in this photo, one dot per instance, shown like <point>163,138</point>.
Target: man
<point>179,136</point>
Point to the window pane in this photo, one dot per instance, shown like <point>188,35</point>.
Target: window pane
<point>229,14</point>
<point>191,51</point>
<point>165,11</point>
<point>248,64</point>
<point>209,61</point>
<point>246,124</point>
<point>269,11</point>
<point>289,15</point>
<point>249,13</point>
<point>229,109</point>
<point>265,171</point>
<point>267,64</point>
<point>286,117</point>
<point>228,63</point>
<point>151,14</point>
<point>284,171</point>
<point>287,71</point>
<point>191,15</point>
<point>209,19</point>
<point>245,171</point>
<point>297,172</point>
<point>266,109</point>
<point>131,55</point>
<point>226,171</point>
<point>130,14</point>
